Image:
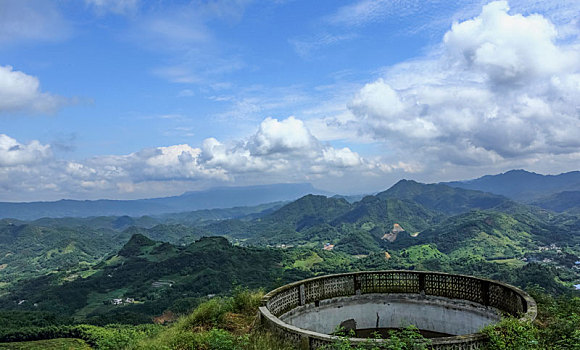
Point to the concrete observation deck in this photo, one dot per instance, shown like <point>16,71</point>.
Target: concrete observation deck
<point>454,307</point>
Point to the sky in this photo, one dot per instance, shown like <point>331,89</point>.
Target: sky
<point>127,99</point>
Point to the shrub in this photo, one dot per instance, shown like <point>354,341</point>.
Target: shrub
<point>208,314</point>
<point>407,338</point>
<point>512,334</point>
<point>246,301</point>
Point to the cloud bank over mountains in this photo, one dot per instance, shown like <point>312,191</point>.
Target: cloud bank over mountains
<point>280,150</point>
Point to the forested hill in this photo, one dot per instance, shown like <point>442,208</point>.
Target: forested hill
<point>443,198</point>
<point>423,212</point>
<point>157,274</point>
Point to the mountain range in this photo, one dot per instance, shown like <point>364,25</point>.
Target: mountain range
<point>167,262</point>
<point>523,185</point>
<point>220,197</point>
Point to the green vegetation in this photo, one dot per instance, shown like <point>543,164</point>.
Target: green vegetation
<point>219,323</point>
<point>107,280</point>
<point>557,326</point>
<point>51,344</point>
<point>512,334</point>
<point>407,338</point>
<point>149,277</point>
<point>229,323</point>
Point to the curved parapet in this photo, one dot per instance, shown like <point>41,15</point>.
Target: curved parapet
<point>306,312</point>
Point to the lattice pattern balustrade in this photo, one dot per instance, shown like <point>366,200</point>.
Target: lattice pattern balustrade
<point>284,301</point>
<point>321,289</point>
<point>506,300</point>
<point>454,287</point>
<point>484,292</point>
<point>388,282</point>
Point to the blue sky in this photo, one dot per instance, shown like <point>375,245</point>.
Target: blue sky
<point>135,98</point>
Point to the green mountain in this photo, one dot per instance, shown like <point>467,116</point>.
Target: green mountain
<point>176,234</point>
<point>378,215</point>
<point>171,262</point>
<point>523,185</point>
<point>487,234</point>
<point>442,198</point>
<point>28,251</point>
<point>308,211</point>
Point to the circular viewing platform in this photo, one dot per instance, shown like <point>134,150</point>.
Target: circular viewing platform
<point>450,309</point>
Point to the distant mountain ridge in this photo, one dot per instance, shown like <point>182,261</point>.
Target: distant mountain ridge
<point>561,201</point>
<point>522,185</point>
<point>220,197</point>
<point>443,198</point>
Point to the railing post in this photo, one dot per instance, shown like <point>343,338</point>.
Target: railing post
<point>421,283</point>
<point>485,292</point>
<point>304,342</point>
<point>357,290</point>
<point>302,295</point>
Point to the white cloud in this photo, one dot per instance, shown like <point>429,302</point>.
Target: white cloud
<point>20,92</point>
<point>286,136</point>
<point>500,91</point>
<point>13,153</point>
<point>509,48</point>
<point>343,158</point>
<point>278,151</point>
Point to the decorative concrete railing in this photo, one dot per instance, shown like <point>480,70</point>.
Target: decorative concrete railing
<point>487,293</point>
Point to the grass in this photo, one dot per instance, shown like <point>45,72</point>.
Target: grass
<point>511,262</point>
<point>219,323</point>
<point>52,344</point>
<point>308,262</point>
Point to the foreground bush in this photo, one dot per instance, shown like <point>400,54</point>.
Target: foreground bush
<point>218,324</point>
<point>408,338</point>
<point>512,334</point>
<point>111,337</point>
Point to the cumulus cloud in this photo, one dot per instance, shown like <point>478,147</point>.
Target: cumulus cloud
<point>20,92</point>
<point>342,158</point>
<point>13,153</point>
<point>509,48</point>
<point>501,90</point>
<point>278,151</point>
<point>281,147</point>
<point>286,136</point>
